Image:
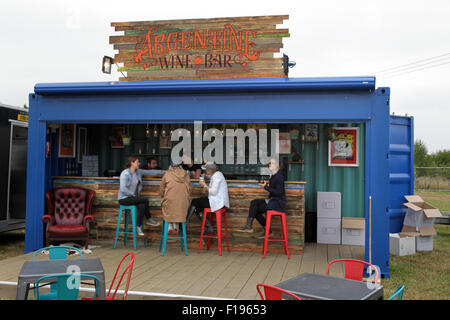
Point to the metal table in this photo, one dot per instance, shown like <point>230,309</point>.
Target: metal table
<point>33,270</point>
<point>311,286</point>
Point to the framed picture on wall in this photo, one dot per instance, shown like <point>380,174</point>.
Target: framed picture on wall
<point>165,142</point>
<point>67,137</point>
<point>284,143</point>
<point>116,137</point>
<point>311,132</point>
<point>343,147</point>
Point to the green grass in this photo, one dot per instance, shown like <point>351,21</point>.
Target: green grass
<point>439,199</point>
<point>426,275</point>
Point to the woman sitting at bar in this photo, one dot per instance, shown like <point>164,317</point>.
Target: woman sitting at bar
<point>217,195</point>
<point>276,200</point>
<point>130,190</point>
<point>174,189</point>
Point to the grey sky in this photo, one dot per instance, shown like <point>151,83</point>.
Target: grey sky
<point>64,41</point>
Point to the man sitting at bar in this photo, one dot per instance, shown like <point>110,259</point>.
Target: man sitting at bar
<point>194,170</point>
<point>276,200</point>
<point>217,195</point>
<point>152,164</point>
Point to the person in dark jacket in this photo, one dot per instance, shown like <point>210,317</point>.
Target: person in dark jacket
<point>276,200</point>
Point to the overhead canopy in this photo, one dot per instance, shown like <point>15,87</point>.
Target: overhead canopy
<point>216,85</point>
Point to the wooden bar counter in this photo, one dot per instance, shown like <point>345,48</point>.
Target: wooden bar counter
<point>241,192</point>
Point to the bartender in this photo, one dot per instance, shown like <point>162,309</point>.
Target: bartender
<point>194,170</point>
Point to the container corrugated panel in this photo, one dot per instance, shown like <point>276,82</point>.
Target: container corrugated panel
<point>349,181</point>
<point>401,168</point>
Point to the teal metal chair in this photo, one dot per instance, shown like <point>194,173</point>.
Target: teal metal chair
<point>67,286</point>
<point>398,293</point>
<point>58,252</point>
<point>165,236</point>
<point>127,210</point>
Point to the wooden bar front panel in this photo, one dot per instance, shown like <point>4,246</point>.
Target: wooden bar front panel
<point>106,207</point>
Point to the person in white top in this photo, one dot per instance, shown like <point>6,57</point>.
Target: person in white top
<point>217,195</point>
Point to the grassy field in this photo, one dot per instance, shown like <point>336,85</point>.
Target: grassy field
<point>426,275</point>
<point>439,199</point>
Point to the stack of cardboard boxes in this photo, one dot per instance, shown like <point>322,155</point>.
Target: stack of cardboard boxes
<point>418,228</point>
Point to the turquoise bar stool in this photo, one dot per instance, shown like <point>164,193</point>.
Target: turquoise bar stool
<point>127,210</point>
<point>165,236</point>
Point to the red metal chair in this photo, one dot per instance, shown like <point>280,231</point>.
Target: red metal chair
<point>354,269</point>
<point>128,269</point>
<point>284,237</point>
<point>208,214</point>
<point>273,293</point>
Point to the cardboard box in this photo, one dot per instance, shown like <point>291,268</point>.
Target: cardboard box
<point>419,217</point>
<point>424,243</point>
<point>329,205</point>
<point>401,246</point>
<point>329,231</point>
<point>353,231</point>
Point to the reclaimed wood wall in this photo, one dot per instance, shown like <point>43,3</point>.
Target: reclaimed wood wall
<point>106,207</point>
<point>240,47</point>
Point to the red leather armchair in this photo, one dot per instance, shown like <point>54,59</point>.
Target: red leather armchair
<point>68,214</point>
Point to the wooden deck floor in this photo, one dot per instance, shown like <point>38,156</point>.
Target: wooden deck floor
<point>233,275</point>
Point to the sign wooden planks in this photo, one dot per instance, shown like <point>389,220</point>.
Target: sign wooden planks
<point>240,47</point>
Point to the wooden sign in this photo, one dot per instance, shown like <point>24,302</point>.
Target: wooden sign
<point>218,48</point>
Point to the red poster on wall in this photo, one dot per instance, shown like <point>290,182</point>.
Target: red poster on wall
<point>343,148</point>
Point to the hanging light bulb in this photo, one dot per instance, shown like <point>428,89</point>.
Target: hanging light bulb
<point>163,132</point>
<point>155,132</point>
<point>147,131</point>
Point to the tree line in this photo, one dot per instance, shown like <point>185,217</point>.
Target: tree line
<point>422,158</point>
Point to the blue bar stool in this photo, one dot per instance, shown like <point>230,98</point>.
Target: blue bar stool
<point>127,210</point>
<point>165,236</point>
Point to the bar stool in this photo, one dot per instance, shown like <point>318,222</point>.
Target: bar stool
<point>126,210</point>
<point>284,237</point>
<point>208,213</point>
<point>165,236</point>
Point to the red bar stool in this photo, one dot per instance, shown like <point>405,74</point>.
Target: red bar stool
<point>207,213</point>
<point>284,237</point>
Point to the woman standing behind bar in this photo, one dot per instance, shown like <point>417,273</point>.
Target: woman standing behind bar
<point>130,190</point>
<point>174,189</point>
<point>276,200</point>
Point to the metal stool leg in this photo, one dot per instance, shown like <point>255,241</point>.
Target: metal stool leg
<point>118,227</point>
<point>266,237</point>
<point>126,217</point>
<point>166,232</point>
<point>219,231</point>
<point>133,221</point>
<point>183,225</point>
<point>161,237</point>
